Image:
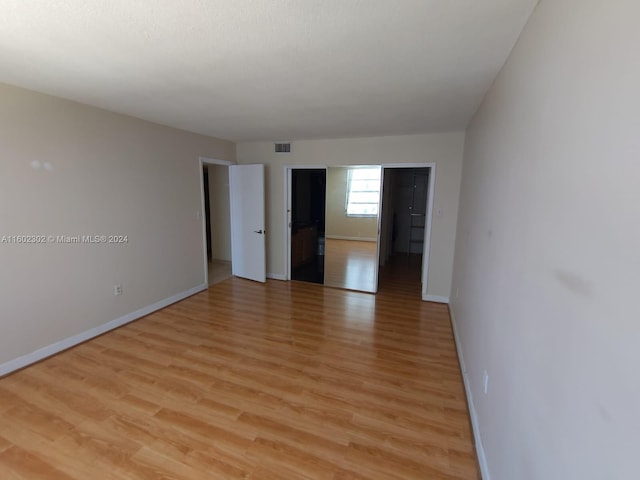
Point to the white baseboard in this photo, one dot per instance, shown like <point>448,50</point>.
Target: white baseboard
<point>44,352</point>
<point>357,239</point>
<point>482,459</point>
<point>435,298</point>
<point>277,276</point>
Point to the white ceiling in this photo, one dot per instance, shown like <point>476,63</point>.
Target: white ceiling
<point>266,69</point>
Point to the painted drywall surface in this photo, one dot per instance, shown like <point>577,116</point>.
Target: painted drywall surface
<point>548,249</point>
<point>109,175</point>
<point>220,212</point>
<point>338,224</point>
<point>443,149</point>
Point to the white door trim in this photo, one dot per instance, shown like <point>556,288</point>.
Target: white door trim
<point>429,211</point>
<point>202,161</point>
<point>426,249</point>
<point>379,227</point>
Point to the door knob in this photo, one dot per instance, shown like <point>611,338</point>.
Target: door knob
<point>259,231</point>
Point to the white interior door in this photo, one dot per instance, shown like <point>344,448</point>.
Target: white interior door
<point>246,188</point>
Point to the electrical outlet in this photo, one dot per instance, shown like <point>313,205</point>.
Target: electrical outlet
<point>117,290</point>
<point>485,382</point>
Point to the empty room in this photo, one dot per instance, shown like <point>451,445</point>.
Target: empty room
<point>319,239</point>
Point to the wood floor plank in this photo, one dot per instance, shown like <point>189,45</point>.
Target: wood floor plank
<point>252,381</point>
<point>25,464</point>
<point>4,444</point>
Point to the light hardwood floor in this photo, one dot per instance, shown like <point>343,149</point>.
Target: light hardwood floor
<point>276,381</point>
<point>350,264</point>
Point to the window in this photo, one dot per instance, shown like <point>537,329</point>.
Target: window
<point>363,191</point>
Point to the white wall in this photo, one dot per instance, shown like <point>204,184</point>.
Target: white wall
<point>220,212</point>
<point>443,149</point>
<point>111,174</point>
<point>548,249</point>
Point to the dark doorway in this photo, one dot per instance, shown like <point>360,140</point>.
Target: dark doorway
<point>308,195</point>
<point>403,226</point>
<point>207,211</point>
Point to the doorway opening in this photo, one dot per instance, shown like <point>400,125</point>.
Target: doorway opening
<point>307,210</point>
<point>216,220</point>
<point>405,229</point>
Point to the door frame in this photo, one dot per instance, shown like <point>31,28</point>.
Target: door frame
<point>288,169</point>
<point>426,248</point>
<point>202,161</point>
